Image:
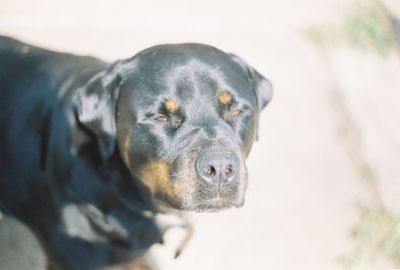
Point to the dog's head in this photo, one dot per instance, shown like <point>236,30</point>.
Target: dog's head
<point>184,118</point>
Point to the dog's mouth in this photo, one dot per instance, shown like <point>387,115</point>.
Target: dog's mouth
<point>214,204</point>
<point>217,204</point>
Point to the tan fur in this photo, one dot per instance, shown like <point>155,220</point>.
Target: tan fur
<point>156,176</point>
<point>185,183</point>
<point>25,49</point>
<point>138,263</point>
<point>126,149</point>
<point>224,97</point>
<point>172,105</point>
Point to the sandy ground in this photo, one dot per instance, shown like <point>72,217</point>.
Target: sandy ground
<point>304,189</point>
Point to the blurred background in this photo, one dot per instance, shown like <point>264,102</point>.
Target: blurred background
<point>324,188</point>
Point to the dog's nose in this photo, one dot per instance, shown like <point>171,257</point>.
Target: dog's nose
<point>217,167</point>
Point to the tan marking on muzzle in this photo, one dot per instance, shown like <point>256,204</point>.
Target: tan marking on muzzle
<point>172,105</point>
<point>156,176</point>
<point>185,182</point>
<point>224,97</point>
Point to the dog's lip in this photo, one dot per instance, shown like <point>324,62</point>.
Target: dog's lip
<point>215,204</point>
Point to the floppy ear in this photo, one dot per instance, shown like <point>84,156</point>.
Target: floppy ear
<point>262,87</point>
<point>95,106</point>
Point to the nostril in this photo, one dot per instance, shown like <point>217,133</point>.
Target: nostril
<point>229,170</point>
<point>211,171</point>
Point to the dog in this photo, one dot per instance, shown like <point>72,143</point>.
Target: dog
<point>92,152</point>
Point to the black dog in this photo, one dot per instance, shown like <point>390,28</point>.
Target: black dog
<point>90,152</point>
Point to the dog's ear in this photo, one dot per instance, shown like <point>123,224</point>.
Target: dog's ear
<point>95,108</point>
<point>262,87</point>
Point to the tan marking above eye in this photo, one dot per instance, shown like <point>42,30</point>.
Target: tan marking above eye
<point>172,105</point>
<point>224,97</point>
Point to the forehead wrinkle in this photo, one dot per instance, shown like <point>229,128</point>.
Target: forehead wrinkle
<point>195,74</point>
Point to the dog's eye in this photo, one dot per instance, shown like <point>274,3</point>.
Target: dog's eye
<point>161,118</point>
<point>235,112</point>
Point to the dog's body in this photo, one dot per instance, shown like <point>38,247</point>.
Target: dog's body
<point>90,152</point>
